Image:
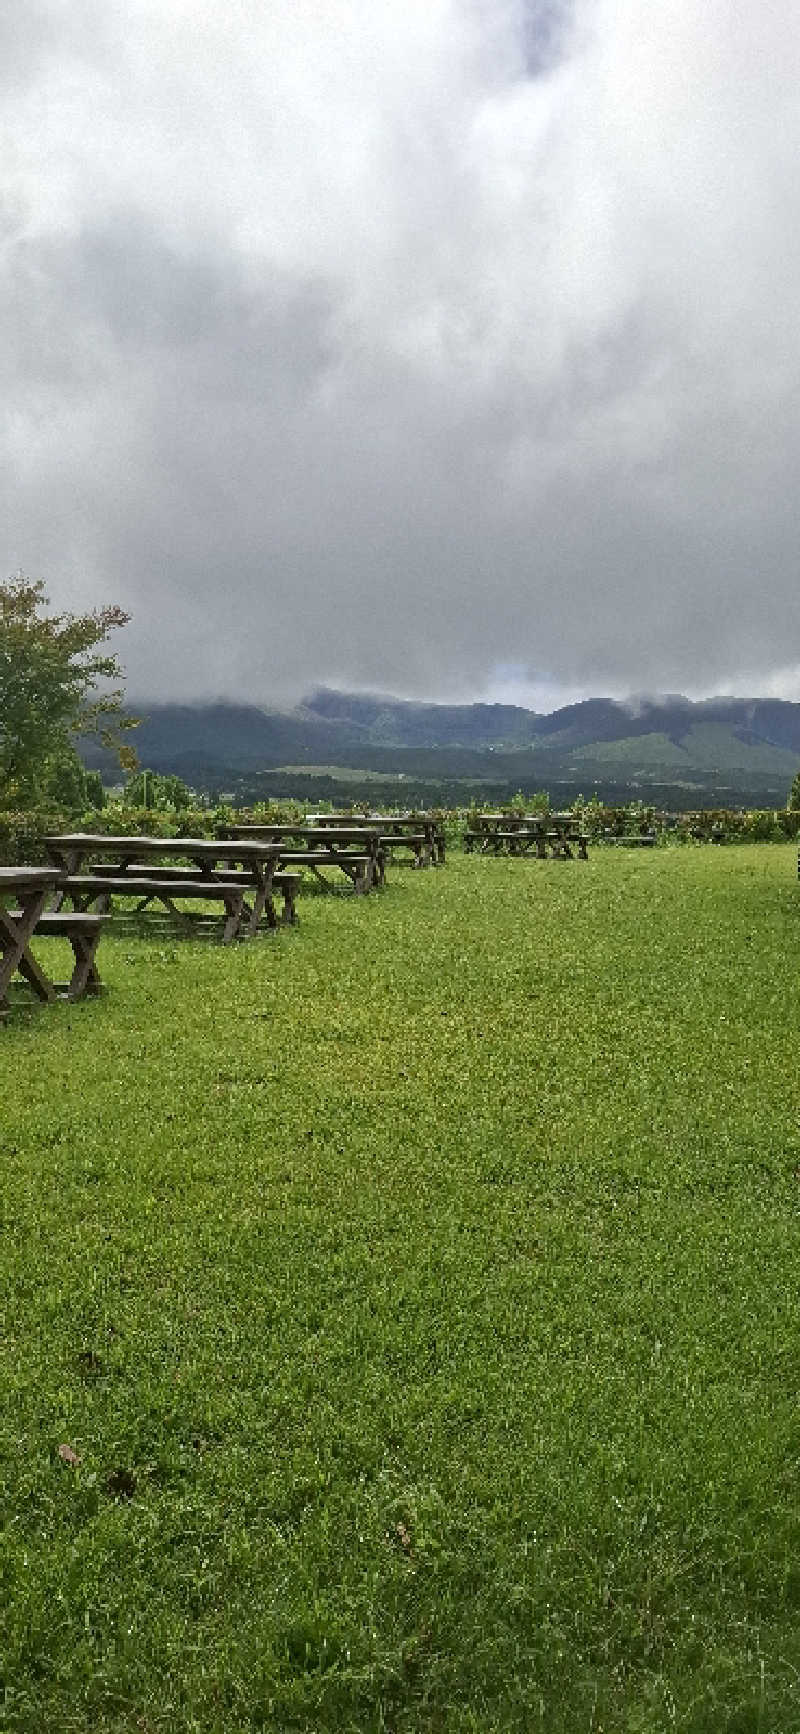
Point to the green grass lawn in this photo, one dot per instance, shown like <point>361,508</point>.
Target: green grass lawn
<point>419,1292</point>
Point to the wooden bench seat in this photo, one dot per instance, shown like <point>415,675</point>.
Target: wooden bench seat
<point>83,932</point>
<point>358,868</point>
<point>646,840</point>
<point>288,884</point>
<point>84,889</point>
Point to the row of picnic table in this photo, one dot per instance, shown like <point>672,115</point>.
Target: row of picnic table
<point>242,870</point>
<point>560,834</point>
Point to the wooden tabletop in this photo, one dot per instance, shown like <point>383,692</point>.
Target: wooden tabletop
<point>537,819</point>
<point>211,847</point>
<point>314,833</point>
<point>27,878</point>
<point>381,821</point>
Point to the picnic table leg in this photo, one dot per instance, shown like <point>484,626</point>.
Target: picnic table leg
<point>82,901</point>
<point>85,978</point>
<point>290,917</point>
<point>15,936</point>
<point>234,903</point>
<point>10,951</point>
<point>360,875</point>
<point>263,902</point>
<point>33,974</point>
<point>161,897</point>
<point>267,874</point>
<point>69,860</point>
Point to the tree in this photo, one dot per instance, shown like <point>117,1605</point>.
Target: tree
<point>65,781</point>
<point>53,675</point>
<point>70,785</point>
<point>151,789</point>
<point>794,794</point>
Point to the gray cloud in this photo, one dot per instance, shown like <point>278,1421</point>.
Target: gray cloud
<point>442,348</point>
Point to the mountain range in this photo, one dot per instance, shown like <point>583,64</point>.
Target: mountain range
<point>679,753</point>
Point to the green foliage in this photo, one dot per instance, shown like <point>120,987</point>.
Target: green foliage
<point>634,819</point>
<point>22,830</point>
<point>794,794</point>
<point>749,825</point>
<point>152,789</point>
<point>707,825</point>
<point>65,781</point>
<point>52,675</point>
<point>522,803</point>
<point>95,793</point>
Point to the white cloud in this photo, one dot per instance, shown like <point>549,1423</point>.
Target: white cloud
<point>338,347</point>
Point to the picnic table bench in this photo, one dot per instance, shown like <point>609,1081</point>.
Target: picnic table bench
<point>245,894</point>
<point>407,824</point>
<point>417,841</point>
<point>97,887</point>
<point>631,839</point>
<point>287,885</point>
<point>26,919</point>
<point>356,850</point>
<point>357,868</point>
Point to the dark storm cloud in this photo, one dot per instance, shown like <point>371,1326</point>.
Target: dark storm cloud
<point>405,347</point>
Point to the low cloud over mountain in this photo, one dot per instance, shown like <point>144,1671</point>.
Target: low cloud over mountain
<point>681,754</point>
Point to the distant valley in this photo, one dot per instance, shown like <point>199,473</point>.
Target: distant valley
<point>722,751</point>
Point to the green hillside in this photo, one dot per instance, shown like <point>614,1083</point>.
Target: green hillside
<point>720,752</point>
<point>636,753</point>
<point>706,747</point>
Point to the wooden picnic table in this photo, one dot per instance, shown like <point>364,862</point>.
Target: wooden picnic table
<point>521,833</point>
<point>394,827</point>
<point>394,833</point>
<point>257,858</point>
<point>356,849</point>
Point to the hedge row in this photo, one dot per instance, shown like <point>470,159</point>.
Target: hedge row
<point>21,833</point>
<point>706,825</point>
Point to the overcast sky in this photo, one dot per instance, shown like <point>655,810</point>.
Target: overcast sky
<point>441,347</point>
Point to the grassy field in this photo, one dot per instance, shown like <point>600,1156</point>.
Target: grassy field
<point>416,1294</point>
